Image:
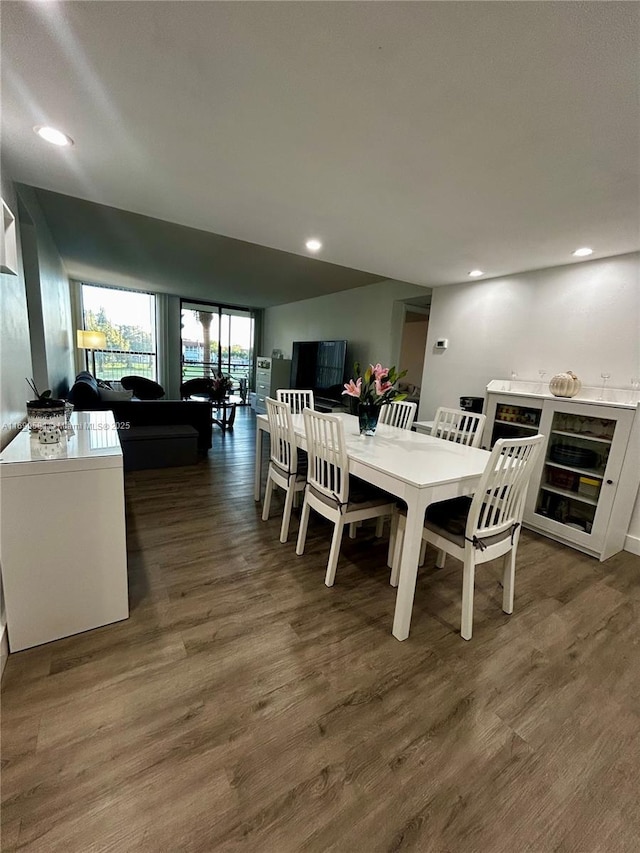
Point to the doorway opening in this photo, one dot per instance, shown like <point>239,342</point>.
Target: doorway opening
<point>412,348</point>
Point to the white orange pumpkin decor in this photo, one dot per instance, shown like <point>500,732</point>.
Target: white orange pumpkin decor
<point>565,384</point>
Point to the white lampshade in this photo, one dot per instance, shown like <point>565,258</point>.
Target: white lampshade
<point>91,340</point>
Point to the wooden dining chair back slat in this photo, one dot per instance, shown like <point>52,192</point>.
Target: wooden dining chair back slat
<point>284,462</point>
<point>329,491</point>
<point>328,470</point>
<point>283,442</point>
<point>459,426</point>
<point>498,503</point>
<point>295,399</point>
<point>399,414</point>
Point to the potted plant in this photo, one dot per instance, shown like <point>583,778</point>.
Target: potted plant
<point>45,409</point>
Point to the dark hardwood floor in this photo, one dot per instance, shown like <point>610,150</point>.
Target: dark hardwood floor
<point>246,707</point>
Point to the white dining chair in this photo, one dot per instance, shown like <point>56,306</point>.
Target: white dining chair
<point>399,414</point>
<point>284,468</point>
<point>458,425</point>
<point>476,530</point>
<point>451,425</point>
<point>330,491</point>
<point>296,400</point>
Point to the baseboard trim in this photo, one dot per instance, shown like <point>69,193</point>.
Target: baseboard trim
<point>4,648</point>
<point>632,543</point>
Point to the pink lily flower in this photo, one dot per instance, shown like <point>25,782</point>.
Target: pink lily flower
<point>379,371</point>
<point>352,388</point>
<point>381,386</point>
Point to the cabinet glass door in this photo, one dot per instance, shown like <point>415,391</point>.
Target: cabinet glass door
<point>514,421</point>
<point>573,474</point>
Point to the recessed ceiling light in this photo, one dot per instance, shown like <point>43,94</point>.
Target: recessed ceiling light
<point>55,137</point>
<point>313,245</point>
<point>583,252</point>
<point>476,273</point>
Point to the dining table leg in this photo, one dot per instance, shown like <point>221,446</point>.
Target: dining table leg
<point>408,569</point>
<point>257,477</point>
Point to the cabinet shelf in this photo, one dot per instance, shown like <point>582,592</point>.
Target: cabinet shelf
<point>581,435</point>
<point>516,424</point>
<point>587,472</point>
<point>566,493</point>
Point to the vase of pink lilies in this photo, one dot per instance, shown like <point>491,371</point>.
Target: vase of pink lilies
<point>374,389</point>
<point>221,386</point>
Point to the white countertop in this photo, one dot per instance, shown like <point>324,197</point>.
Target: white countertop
<point>622,397</point>
<point>91,443</point>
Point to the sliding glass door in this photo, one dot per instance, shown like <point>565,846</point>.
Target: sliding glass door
<point>217,339</point>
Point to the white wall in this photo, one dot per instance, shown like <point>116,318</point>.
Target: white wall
<point>583,317</point>
<point>49,304</point>
<point>369,318</point>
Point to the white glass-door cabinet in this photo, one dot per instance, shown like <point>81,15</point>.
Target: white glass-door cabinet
<point>586,479</point>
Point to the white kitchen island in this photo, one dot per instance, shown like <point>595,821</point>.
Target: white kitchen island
<point>62,532</point>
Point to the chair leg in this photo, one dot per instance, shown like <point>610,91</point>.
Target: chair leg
<point>397,551</point>
<point>352,530</point>
<point>379,526</point>
<point>393,532</point>
<point>468,577</point>
<point>286,515</point>
<point>440,558</point>
<point>302,532</point>
<point>423,552</point>
<point>334,553</point>
<point>508,580</point>
<point>267,499</point>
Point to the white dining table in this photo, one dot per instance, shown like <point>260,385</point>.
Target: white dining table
<point>418,469</point>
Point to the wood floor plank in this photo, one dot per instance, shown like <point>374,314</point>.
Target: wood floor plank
<point>244,707</point>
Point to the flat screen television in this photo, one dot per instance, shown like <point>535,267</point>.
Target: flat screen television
<point>319,365</point>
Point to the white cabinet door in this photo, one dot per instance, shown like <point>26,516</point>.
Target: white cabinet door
<point>510,416</point>
<point>574,486</point>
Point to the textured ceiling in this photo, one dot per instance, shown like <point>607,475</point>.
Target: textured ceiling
<point>417,140</point>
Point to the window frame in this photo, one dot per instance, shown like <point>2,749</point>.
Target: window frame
<point>151,354</point>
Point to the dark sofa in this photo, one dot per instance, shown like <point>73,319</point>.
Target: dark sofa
<point>85,395</point>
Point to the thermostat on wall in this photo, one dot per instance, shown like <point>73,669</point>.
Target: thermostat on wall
<point>442,343</point>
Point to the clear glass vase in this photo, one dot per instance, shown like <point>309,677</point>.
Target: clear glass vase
<point>368,414</point>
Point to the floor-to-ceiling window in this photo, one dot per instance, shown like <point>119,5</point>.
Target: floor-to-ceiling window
<point>128,320</point>
<point>217,339</point>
